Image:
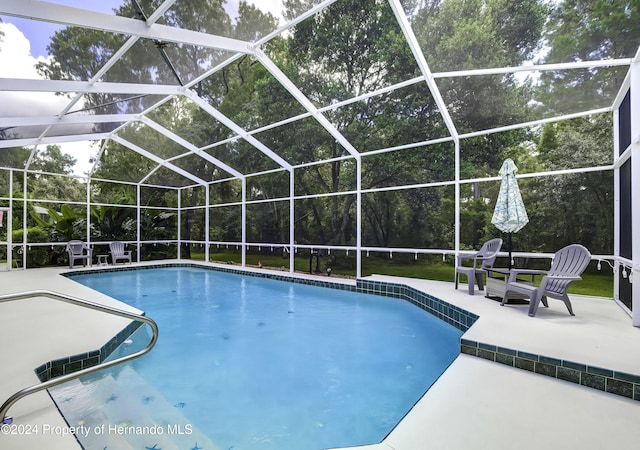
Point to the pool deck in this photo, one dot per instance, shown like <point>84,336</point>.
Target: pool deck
<point>475,404</point>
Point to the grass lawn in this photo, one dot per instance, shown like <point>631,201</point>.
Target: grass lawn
<point>596,284</point>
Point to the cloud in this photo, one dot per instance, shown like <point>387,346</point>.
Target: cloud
<point>16,61</point>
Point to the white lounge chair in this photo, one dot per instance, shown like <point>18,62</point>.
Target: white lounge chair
<point>78,250</point>
<point>482,259</point>
<point>567,266</point>
<point>118,253</point>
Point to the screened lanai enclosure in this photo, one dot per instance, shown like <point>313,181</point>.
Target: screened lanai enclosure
<point>359,131</point>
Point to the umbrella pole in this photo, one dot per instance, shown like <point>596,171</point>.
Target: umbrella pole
<point>509,246</point>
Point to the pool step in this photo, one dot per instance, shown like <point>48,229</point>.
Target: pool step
<point>85,414</point>
<point>167,416</point>
<point>122,411</point>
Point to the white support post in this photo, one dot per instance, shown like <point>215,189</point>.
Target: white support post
<point>359,218</point>
<point>292,222</point>
<point>88,213</point>
<point>635,187</point>
<point>179,227</point>
<point>24,219</point>
<point>244,222</point>
<point>138,218</point>
<point>616,202</point>
<point>456,214</point>
<point>6,212</point>
<point>10,223</point>
<point>206,224</point>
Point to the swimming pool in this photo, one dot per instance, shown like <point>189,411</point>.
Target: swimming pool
<point>256,363</point>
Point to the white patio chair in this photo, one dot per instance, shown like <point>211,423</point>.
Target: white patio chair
<point>118,253</point>
<point>567,266</point>
<point>78,250</point>
<point>482,259</point>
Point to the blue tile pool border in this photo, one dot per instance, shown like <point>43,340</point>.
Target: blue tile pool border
<point>611,381</point>
<point>230,269</point>
<point>449,313</point>
<point>607,380</point>
<point>73,363</point>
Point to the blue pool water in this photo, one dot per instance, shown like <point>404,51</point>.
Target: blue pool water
<point>258,364</point>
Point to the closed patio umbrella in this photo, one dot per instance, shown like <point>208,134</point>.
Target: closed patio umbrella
<point>509,215</point>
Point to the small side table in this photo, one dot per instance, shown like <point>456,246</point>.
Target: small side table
<point>496,285</point>
<point>102,260</point>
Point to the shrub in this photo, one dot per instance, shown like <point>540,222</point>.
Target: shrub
<point>37,256</point>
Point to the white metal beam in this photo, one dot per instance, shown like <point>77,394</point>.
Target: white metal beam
<point>159,12</point>
<point>251,140</point>
<point>412,41</point>
<point>189,146</point>
<point>302,17</point>
<point>65,120</point>
<point>103,70</point>
<point>535,68</point>
<point>236,129</point>
<point>151,172</point>
<point>335,133</point>
<point>442,107</point>
<point>304,101</point>
<point>113,61</point>
<point>375,93</point>
<point>65,15</point>
<point>534,123</point>
<point>158,160</point>
<point>87,87</point>
<point>52,140</point>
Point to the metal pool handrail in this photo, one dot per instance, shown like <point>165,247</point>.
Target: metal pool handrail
<point>70,376</point>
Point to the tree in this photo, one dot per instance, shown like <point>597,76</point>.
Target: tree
<point>65,225</point>
<point>44,186</point>
<point>351,48</point>
<point>252,23</point>
<point>109,222</point>
<point>584,30</point>
<point>586,198</point>
<point>475,34</point>
<point>14,157</point>
<point>294,8</point>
